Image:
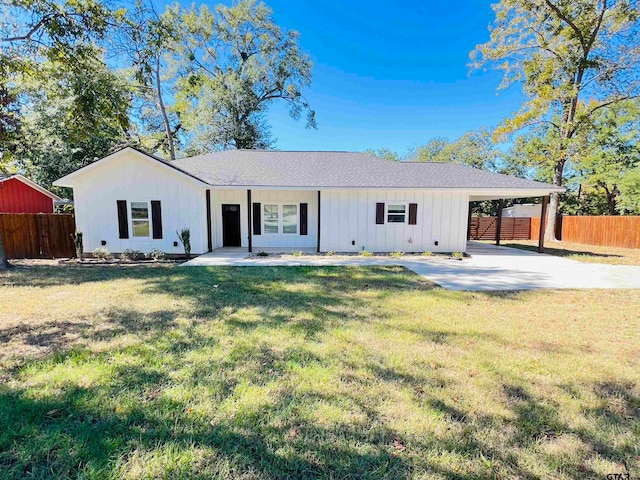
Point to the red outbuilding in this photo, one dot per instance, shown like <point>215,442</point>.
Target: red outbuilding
<point>18,194</point>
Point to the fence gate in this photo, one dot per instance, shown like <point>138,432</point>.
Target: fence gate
<point>37,235</point>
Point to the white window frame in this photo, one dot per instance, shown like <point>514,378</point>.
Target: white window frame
<point>406,212</point>
<point>148,219</point>
<point>297,205</point>
<point>264,227</point>
<point>281,218</point>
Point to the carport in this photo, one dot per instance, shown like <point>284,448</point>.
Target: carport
<point>500,201</point>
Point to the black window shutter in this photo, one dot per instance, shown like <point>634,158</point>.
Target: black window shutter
<point>123,222</point>
<point>303,219</point>
<point>413,213</point>
<point>257,219</point>
<point>379,213</point>
<point>156,218</point>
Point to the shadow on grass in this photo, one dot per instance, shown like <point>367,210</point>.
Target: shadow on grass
<point>142,407</point>
<point>562,252</point>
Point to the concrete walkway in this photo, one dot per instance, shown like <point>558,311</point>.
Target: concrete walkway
<point>489,268</point>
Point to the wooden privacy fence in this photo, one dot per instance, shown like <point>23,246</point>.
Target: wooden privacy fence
<point>37,235</point>
<point>610,231</point>
<point>513,228</point>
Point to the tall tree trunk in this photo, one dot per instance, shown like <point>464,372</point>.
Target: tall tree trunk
<point>4,264</point>
<point>163,110</point>
<point>552,211</point>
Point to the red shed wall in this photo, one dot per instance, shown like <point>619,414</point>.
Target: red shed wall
<point>17,197</point>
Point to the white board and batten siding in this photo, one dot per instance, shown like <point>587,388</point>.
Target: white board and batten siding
<point>221,197</point>
<point>135,178</point>
<point>349,216</point>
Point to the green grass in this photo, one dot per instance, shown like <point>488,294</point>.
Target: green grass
<point>582,253</point>
<point>167,372</point>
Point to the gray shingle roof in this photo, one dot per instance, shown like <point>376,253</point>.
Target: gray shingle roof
<point>276,168</point>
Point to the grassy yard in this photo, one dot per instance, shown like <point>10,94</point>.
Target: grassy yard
<point>251,373</point>
<point>582,253</point>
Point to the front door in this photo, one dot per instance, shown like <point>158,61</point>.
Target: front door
<point>230,225</point>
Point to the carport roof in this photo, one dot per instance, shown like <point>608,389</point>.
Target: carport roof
<point>326,169</point>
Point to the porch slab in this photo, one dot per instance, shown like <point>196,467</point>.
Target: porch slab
<point>489,268</point>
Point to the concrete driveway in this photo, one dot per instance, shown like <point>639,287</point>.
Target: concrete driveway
<point>489,268</point>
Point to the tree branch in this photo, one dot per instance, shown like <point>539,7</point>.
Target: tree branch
<point>30,33</point>
<point>569,22</point>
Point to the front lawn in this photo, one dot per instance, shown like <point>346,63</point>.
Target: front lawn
<point>581,252</point>
<point>262,372</point>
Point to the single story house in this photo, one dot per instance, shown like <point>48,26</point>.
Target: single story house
<point>18,194</point>
<point>320,200</point>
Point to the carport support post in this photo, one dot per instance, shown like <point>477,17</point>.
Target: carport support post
<point>499,220</point>
<point>249,224</point>
<point>543,223</point>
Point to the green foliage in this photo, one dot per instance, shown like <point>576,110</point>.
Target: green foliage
<point>131,255</point>
<point>71,117</point>
<point>237,63</point>
<point>384,153</point>
<point>474,148</point>
<point>629,202</point>
<point>156,254</point>
<point>457,255</point>
<point>102,253</point>
<point>365,253</point>
<point>572,58</point>
<point>397,254</point>
<point>184,236</point>
<point>427,254</point>
<point>297,253</point>
<point>78,244</point>
<point>330,253</point>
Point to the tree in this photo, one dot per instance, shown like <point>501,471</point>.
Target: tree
<point>611,152</point>
<point>474,148</point>
<point>630,193</point>
<point>151,43</point>
<point>385,154</point>
<point>238,62</point>
<point>36,30</point>
<point>430,151</point>
<point>573,57</point>
<point>69,118</point>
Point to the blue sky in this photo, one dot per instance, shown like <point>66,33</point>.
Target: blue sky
<point>390,74</point>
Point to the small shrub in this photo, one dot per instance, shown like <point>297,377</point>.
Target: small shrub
<point>131,255</point>
<point>156,254</point>
<point>457,255</point>
<point>102,253</point>
<point>330,253</point>
<point>297,253</point>
<point>397,254</point>
<point>427,254</point>
<point>77,242</point>
<point>262,254</point>
<point>184,236</point>
<point>366,253</point>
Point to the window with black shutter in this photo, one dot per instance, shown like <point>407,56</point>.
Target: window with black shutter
<point>257,220</point>
<point>156,219</point>
<point>123,222</point>
<point>303,219</point>
<point>413,213</point>
<point>379,213</point>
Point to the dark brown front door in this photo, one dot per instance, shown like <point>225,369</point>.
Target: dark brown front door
<point>231,225</point>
